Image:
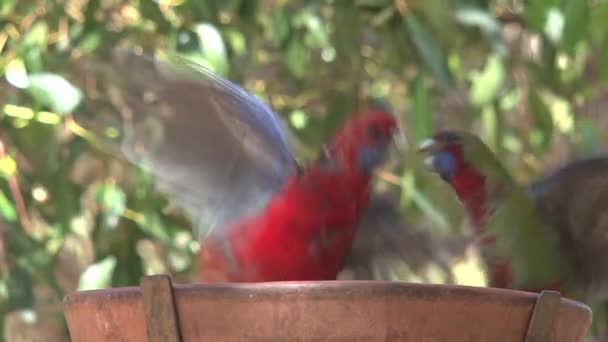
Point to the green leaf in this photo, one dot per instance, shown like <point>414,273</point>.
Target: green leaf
<point>488,25</point>
<point>237,42</point>
<point>37,35</point>
<point>317,36</point>
<point>54,92</point>
<point>536,13</point>
<point>604,60</point>
<point>428,49</point>
<point>554,26</point>
<point>113,202</point>
<point>8,166</point>
<point>91,41</point>
<point>6,6</point>
<point>422,117</point>
<point>7,209</point>
<point>152,224</point>
<point>98,275</point>
<point>16,74</point>
<point>213,48</point>
<point>280,27</point>
<point>486,85</point>
<point>298,119</point>
<point>561,111</point>
<point>298,57</point>
<point>543,122</point>
<point>577,23</point>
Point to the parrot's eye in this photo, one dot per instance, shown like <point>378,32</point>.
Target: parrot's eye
<point>375,132</point>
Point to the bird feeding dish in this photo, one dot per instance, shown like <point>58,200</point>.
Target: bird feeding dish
<point>321,311</point>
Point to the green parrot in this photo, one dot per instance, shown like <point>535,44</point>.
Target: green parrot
<point>552,234</point>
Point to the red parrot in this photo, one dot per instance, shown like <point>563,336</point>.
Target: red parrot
<point>225,157</point>
<point>308,226</point>
<point>552,234</point>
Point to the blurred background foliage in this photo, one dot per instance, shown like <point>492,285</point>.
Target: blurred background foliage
<point>529,76</point>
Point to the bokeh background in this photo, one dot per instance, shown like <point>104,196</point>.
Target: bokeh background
<point>529,76</point>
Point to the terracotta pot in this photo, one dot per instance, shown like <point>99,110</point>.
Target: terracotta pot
<point>322,311</point>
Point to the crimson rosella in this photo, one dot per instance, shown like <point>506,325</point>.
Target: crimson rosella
<point>225,157</point>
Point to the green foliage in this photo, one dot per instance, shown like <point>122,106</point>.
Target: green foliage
<point>528,76</point>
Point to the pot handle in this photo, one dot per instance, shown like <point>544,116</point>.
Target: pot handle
<point>541,320</point>
<point>162,323</point>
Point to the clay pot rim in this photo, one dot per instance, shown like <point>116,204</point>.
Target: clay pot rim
<point>325,289</point>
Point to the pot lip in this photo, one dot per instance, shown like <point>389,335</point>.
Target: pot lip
<point>336,289</point>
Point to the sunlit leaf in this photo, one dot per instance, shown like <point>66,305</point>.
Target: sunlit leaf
<point>48,118</point>
<point>18,112</point>
<point>98,275</point>
<point>212,46</point>
<point>8,166</point>
<point>486,85</point>
<point>55,92</point>
<point>554,27</point>
<point>16,74</point>
<point>298,119</point>
<point>113,202</point>
<point>37,34</point>
<point>318,36</point>
<point>238,42</point>
<point>7,209</point>
<point>561,111</point>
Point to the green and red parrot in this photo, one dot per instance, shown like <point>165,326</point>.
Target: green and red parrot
<point>225,157</point>
<point>552,234</point>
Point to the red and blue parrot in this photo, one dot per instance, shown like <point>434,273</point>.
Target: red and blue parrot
<point>225,156</point>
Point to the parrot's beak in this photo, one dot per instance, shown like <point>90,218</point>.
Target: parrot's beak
<point>429,146</point>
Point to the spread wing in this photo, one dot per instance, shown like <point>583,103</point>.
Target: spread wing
<point>574,201</point>
<point>217,150</point>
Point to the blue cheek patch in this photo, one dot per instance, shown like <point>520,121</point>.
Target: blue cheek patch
<point>445,165</point>
<point>371,157</point>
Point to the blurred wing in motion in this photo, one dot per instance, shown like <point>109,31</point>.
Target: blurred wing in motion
<point>385,242</point>
<point>217,150</point>
<point>574,201</point>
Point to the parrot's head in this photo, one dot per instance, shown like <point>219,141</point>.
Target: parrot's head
<point>446,153</point>
<point>456,154</point>
<point>364,141</point>
<point>468,165</point>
